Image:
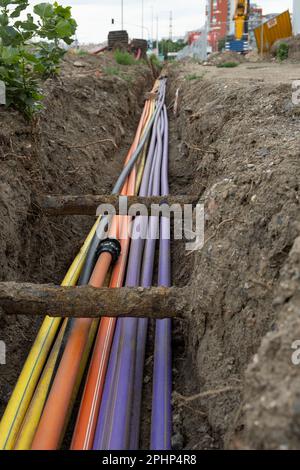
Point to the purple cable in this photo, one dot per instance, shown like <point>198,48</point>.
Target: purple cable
<point>161,421</point>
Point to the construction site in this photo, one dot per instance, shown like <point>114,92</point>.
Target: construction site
<point>115,334</point>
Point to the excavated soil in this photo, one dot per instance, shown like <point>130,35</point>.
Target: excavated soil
<point>235,143</point>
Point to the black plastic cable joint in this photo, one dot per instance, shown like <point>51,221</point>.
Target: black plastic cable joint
<point>111,246</point>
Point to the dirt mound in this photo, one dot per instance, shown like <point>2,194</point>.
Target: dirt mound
<point>293,44</point>
<point>273,406</point>
<point>77,145</point>
<point>235,145</point>
<point>219,58</point>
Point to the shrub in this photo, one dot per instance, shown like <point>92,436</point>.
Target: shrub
<point>155,60</point>
<point>228,65</point>
<point>112,71</point>
<point>81,52</point>
<point>30,50</point>
<point>221,44</point>
<point>282,51</point>
<point>193,76</point>
<point>124,58</point>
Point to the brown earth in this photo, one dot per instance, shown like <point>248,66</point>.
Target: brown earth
<point>235,143</point>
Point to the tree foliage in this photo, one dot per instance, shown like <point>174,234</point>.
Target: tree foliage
<point>30,49</point>
<point>167,45</point>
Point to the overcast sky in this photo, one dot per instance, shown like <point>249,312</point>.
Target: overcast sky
<point>94,16</point>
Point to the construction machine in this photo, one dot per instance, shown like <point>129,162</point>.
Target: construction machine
<point>239,42</point>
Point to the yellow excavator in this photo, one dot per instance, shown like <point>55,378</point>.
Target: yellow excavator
<point>239,41</point>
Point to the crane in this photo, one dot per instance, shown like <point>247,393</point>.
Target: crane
<point>239,42</point>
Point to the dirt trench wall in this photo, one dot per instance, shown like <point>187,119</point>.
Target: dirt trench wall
<point>234,143</point>
<point>77,146</point>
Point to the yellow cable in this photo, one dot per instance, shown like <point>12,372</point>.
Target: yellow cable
<point>144,153</point>
<point>31,420</point>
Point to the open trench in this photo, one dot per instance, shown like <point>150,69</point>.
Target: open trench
<point>244,183</point>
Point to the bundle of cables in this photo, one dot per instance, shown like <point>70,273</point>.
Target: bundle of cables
<point>113,350</point>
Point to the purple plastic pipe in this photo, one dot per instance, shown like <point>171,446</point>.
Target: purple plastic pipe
<point>161,422</point>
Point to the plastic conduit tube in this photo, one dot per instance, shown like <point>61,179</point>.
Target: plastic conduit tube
<point>83,435</point>
<point>118,360</point>
<point>84,361</point>
<point>161,421</point>
<point>35,409</point>
<point>146,281</point>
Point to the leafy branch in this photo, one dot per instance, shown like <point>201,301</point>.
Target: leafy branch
<point>30,49</point>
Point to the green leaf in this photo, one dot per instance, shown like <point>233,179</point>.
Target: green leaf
<point>44,10</point>
<point>3,20</point>
<point>10,55</point>
<point>16,13</point>
<point>30,56</point>
<point>5,3</point>
<point>64,29</point>
<point>10,36</point>
<point>26,26</point>
<point>62,12</point>
<point>3,72</point>
<point>68,41</point>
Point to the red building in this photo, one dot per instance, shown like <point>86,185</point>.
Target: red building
<point>218,19</point>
